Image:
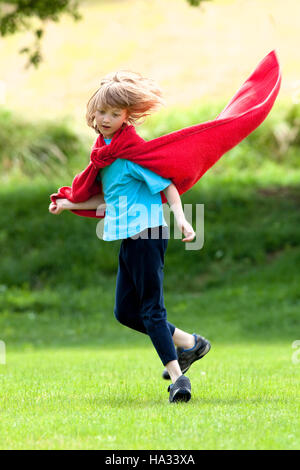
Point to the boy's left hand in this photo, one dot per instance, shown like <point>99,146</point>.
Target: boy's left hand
<point>186,228</point>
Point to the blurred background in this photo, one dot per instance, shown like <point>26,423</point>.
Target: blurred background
<point>196,53</point>
<point>200,55</point>
<point>57,278</point>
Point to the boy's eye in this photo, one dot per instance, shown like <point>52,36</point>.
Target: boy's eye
<point>102,111</point>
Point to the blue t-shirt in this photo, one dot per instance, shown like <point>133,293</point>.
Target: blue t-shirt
<point>132,197</point>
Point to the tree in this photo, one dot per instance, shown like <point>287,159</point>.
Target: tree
<point>196,3</point>
<point>18,15</point>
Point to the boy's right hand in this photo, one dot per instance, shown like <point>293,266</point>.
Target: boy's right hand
<point>56,208</point>
<point>186,228</point>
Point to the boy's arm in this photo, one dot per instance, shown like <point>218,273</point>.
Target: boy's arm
<point>174,201</point>
<point>91,203</point>
<point>65,204</point>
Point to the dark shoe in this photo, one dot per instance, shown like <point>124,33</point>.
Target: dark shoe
<point>180,390</point>
<point>186,357</point>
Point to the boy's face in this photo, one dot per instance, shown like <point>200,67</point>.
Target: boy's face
<point>109,120</point>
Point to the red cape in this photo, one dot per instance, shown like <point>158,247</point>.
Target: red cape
<point>185,155</point>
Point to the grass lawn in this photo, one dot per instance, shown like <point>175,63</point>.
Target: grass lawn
<point>244,397</point>
<point>74,381</point>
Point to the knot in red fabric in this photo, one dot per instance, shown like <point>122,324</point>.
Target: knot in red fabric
<point>101,156</point>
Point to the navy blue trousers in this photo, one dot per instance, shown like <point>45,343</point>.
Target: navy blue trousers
<point>139,302</point>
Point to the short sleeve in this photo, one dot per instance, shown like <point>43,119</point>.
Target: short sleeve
<point>155,182</point>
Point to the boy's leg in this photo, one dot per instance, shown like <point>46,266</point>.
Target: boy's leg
<point>182,339</point>
<point>174,370</point>
<point>126,308</point>
<point>145,259</point>
<point>127,303</point>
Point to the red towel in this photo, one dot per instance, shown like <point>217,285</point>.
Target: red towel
<point>183,156</point>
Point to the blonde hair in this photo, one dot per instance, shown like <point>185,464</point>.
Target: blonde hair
<point>125,90</point>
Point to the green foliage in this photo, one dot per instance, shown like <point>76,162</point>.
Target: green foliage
<point>278,137</point>
<point>175,118</point>
<point>54,148</point>
<point>196,3</point>
<point>250,196</point>
<point>251,199</point>
<point>32,149</point>
<point>18,15</point>
<point>21,15</point>
<point>244,226</point>
<point>275,141</point>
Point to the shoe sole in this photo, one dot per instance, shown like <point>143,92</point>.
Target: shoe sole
<point>182,395</point>
<point>203,353</point>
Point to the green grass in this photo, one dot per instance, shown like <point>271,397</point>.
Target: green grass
<point>244,397</point>
<point>76,379</point>
<point>44,147</point>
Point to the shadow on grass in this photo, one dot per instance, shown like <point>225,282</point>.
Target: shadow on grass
<point>134,401</point>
